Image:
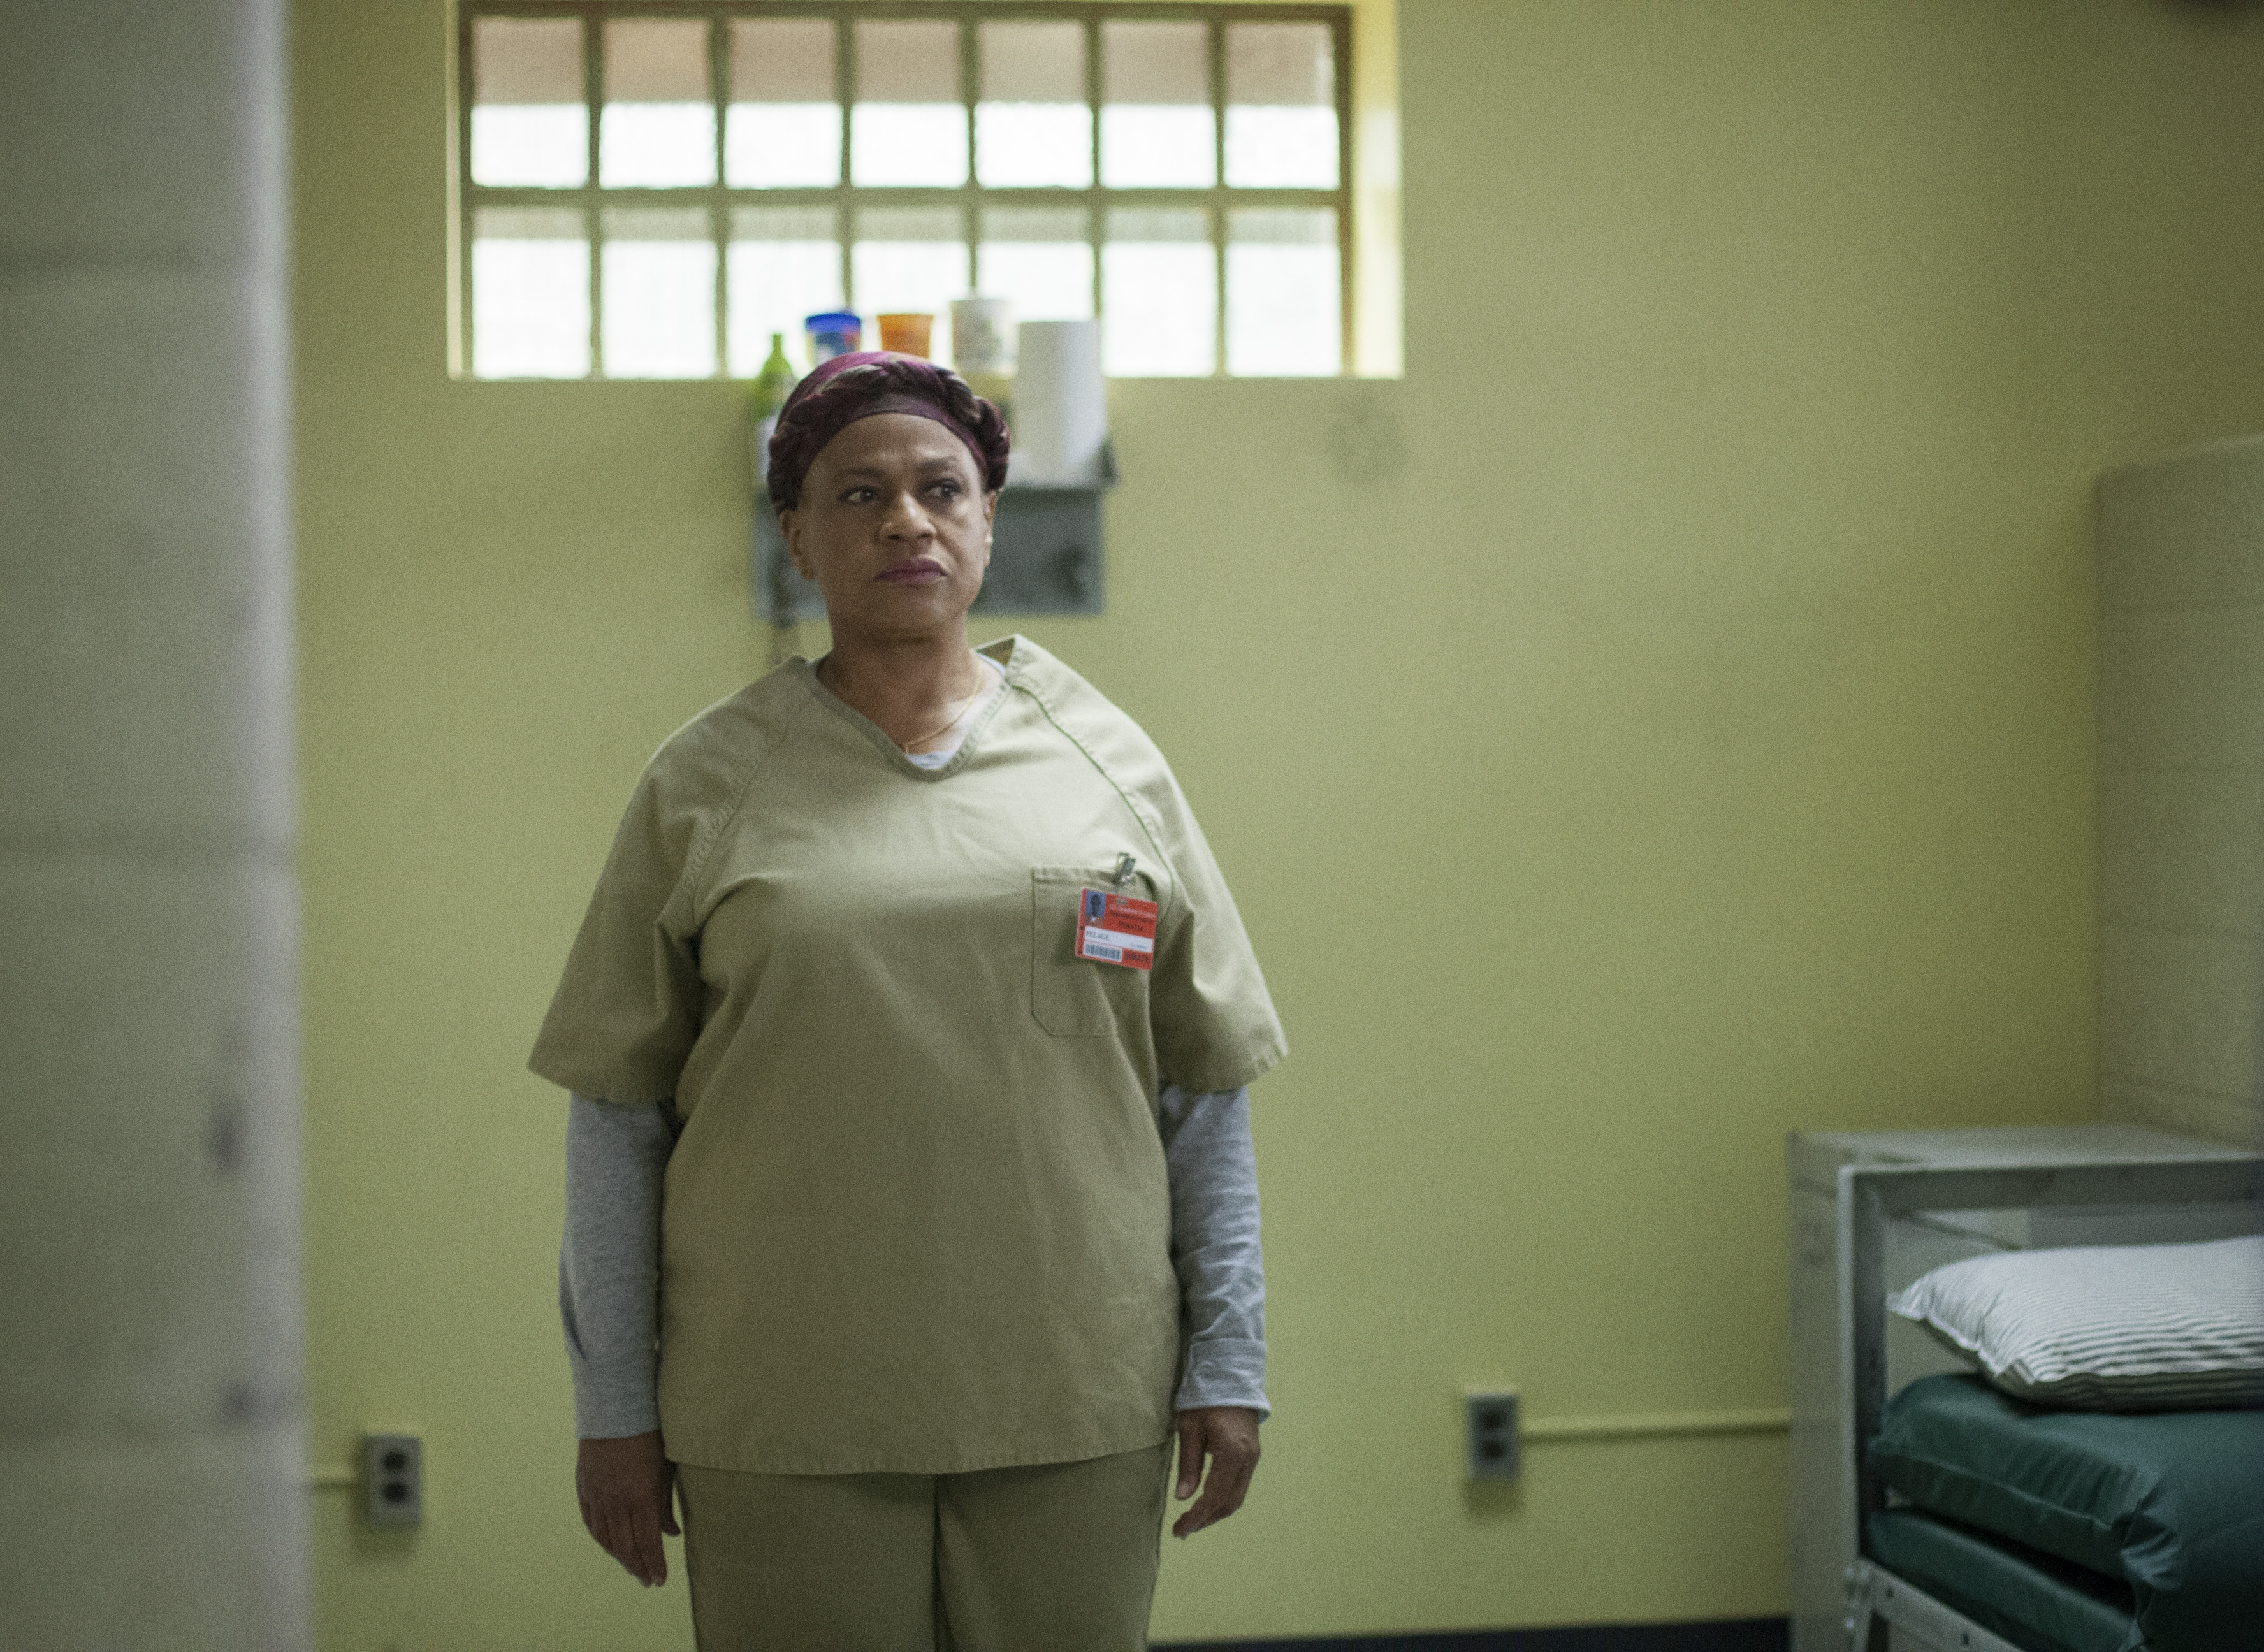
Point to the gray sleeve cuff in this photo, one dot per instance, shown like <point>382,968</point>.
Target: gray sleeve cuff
<point>1225,1371</point>
<point>609,1264</point>
<point>1213,1173</point>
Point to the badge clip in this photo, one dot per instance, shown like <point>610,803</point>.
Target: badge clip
<point>1124,865</point>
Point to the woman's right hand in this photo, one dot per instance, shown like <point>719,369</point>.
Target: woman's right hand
<point>625,1487</point>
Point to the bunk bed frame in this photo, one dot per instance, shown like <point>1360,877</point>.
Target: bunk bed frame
<point>1868,1213</point>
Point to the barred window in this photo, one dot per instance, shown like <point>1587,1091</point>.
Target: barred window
<point>651,190</point>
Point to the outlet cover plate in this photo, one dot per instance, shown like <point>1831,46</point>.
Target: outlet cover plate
<point>1490,1434</point>
<point>393,1479</point>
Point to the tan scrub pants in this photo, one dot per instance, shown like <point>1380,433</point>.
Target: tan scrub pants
<point>1056,1557</point>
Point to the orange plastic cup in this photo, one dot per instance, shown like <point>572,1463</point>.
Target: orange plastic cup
<point>905,333</point>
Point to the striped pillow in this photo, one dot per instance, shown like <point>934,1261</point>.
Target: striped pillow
<point>2107,1328</point>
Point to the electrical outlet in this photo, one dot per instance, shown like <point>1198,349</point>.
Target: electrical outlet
<point>393,1479</point>
<point>1490,1435</point>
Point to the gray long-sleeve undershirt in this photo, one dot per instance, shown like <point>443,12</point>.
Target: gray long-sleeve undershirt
<point>609,1262</point>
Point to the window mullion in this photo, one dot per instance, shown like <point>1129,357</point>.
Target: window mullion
<point>719,212</point>
<point>1218,45</point>
<point>593,91</point>
<point>466,220</point>
<point>1096,215</point>
<point>970,91</point>
<point>1347,269</point>
<point>844,86</point>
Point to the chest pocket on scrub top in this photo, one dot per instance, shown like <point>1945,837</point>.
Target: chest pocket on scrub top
<point>1079,997</point>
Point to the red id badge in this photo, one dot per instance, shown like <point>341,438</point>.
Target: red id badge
<point>1116,929</point>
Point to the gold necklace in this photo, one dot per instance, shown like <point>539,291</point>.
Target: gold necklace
<point>906,745</point>
<point>982,681</point>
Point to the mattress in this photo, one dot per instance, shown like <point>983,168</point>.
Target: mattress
<point>2171,1504</point>
<point>2033,1599</point>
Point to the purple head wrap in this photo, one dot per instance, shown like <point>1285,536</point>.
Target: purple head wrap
<point>838,392</point>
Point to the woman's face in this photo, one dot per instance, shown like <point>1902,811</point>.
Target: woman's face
<point>894,526</point>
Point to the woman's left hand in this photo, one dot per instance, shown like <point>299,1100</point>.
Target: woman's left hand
<point>1228,1435</point>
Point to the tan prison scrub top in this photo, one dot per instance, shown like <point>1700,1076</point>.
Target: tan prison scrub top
<point>916,1222</point>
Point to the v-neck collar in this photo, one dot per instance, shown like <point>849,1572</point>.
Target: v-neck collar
<point>1001,654</point>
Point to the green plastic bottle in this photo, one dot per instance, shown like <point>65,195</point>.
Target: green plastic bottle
<point>767,393</point>
<point>774,382</point>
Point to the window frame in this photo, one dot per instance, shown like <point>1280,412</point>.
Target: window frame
<point>847,197</point>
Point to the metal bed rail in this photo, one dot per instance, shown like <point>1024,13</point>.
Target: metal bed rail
<point>1854,1199</point>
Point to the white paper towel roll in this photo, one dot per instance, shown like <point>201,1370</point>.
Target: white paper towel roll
<point>1061,413</point>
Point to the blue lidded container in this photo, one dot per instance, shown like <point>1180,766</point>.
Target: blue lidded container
<point>834,333</point>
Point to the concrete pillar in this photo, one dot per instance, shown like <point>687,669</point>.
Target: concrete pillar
<point>152,1464</point>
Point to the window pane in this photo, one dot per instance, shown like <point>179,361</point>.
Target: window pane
<point>1281,106</point>
<point>783,264</point>
<point>660,294</point>
<point>1156,116</point>
<point>1033,126</point>
<point>530,294</point>
<point>908,126</point>
<point>659,125</point>
<point>784,126</point>
<point>1020,146</point>
<point>910,258</point>
<point>1159,283</point>
<point>1038,259</point>
<point>530,126</point>
<point>1283,318</point>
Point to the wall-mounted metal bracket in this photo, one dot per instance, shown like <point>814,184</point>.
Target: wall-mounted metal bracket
<point>1045,555</point>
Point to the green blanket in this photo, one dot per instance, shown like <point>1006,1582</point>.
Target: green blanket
<point>2172,1503</point>
<point>2033,1599</point>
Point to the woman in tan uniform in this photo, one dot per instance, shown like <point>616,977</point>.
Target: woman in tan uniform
<point>910,1209</point>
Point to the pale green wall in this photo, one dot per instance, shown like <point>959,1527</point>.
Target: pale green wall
<point>1682,734</point>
